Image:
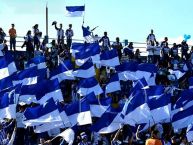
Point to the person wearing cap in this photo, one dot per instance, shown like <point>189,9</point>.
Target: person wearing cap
<point>60,33</point>
<point>69,34</point>
<point>84,139</point>
<point>12,35</point>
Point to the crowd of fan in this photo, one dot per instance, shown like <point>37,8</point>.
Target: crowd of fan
<point>158,53</point>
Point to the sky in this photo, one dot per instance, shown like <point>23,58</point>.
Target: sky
<point>127,19</point>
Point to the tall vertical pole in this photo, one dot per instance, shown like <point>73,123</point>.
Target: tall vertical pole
<point>47,19</point>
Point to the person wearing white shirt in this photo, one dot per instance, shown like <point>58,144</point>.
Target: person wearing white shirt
<point>156,53</point>
<point>60,34</point>
<point>151,37</point>
<point>69,34</point>
<point>150,48</point>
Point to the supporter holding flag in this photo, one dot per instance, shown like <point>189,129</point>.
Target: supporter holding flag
<point>87,34</point>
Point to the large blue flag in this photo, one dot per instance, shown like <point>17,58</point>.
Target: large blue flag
<point>98,106</point>
<point>113,84</point>
<point>89,85</point>
<point>41,92</point>
<point>79,112</point>
<point>63,72</point>
<point>7,104</point>
<point>87,70</point>
<point>127,70</point>
<point>7,68</point>
<point>109,122</point>
<point>109,58</point>
<point>45,113</point>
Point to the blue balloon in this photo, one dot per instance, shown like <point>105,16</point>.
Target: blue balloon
<point>186,37</point>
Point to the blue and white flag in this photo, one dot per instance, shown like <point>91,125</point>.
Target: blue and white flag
<point>75,11</point>
<point>41,92</point>
<point>87,35</point>
<point>189,133</point>
<point>63,72</point>
<point>7,104</point>
<point>182,113</point>
<point>98,106</point>
<point>183,118</point>
<point>148,71</point>
<point>113,85</point>
<point>39,61</point>
<point>79,112</point>
<point>85,51</point>
<point>89,85</point>
<point>109,122</point>
<point>159,104</point>
<point>127,70</point>
<point>7,68</point>
<point>184,101</point>
<point>87,70</point>
<point>136,110</point>
<point>51,125</point>
<point>109,58</point>
<point>45,113</point>
<point>28,76</point>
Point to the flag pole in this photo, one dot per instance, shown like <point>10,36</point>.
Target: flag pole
<point>47,19</point>
<point>83,15</point>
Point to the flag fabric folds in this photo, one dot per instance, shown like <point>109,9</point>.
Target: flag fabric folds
<point>89,85</point>
<point>7,68</point>
<point>45,113</point>
<point>109,122</point>
<point>159,103</point>
<point>41,92</point>
<point>28,76</point>
<point>87,70</point>
<point>127,70</point>
<point>7,104</point>
<point>75,11</point>
<point>79,112</point>
<point>109,58</point>
<point>113,84</point>
<point>39,61</point>
<point>136,110</point>
<point>98,106</point>
<point>63,72</point>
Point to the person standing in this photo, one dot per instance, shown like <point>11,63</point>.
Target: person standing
<point>105,42</point>
<point>151,37</point>
<point>69,34</point>
<point>60,33</point>
<point>29,45</point>
<point>12,35</point>
<point>117,45</point>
